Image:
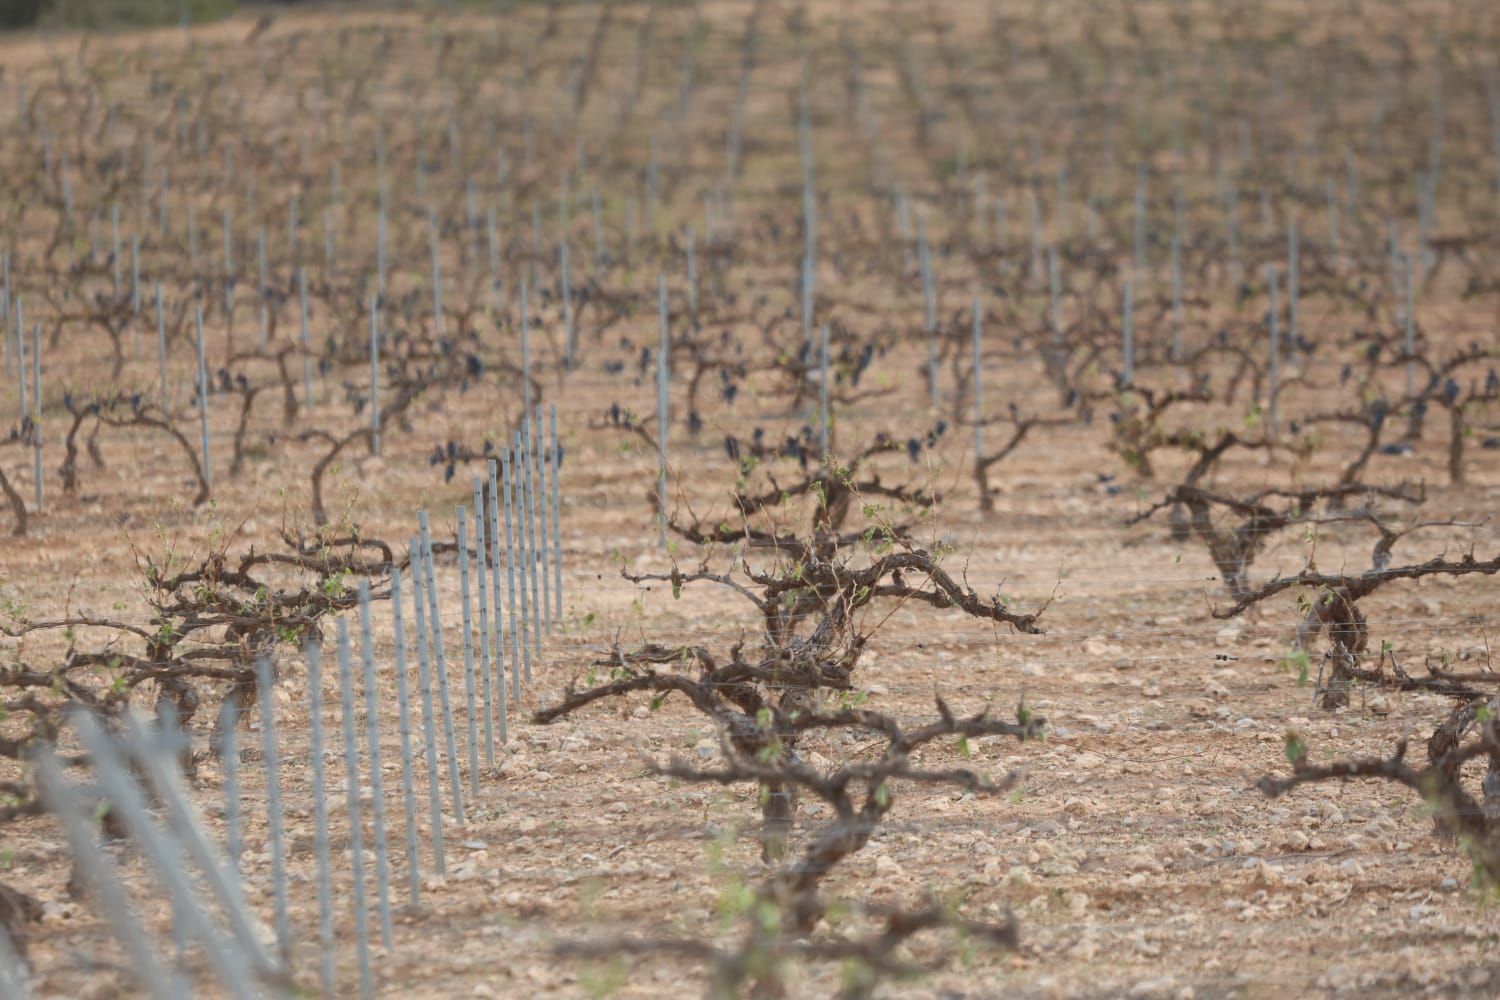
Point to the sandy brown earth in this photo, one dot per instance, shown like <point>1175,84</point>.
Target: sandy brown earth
<point>1135,852</point>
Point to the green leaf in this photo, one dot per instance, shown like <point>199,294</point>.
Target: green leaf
<point>1298,662</point>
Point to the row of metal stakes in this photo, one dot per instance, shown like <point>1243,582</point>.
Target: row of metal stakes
<point>515,522</point>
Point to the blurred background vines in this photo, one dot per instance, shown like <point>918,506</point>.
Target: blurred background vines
<point>95,14</point>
